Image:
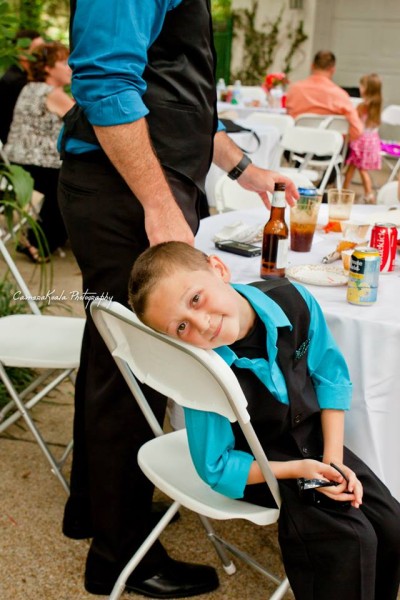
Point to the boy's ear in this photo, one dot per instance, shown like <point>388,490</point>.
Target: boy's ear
<point>219,267</point>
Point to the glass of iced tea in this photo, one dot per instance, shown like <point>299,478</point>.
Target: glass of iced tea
<point>339,207</point>
<point>303,219</point>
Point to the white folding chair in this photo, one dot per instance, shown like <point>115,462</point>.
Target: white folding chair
<point>388,194</point>
<point>47,344</point>
<point>194,378</point>
<point>281,122</point>
<point>337,123</point>
<point>391,118</point>
<point>229,195</point>
<point>311,142</point>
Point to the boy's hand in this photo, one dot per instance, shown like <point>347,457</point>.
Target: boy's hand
<point>349,488</point>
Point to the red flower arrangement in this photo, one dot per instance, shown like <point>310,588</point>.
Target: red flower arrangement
<point>273,80</point>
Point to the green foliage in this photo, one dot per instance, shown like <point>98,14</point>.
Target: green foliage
<point>297,37</point>
<point>8,27</point>
<point>30,14</point>
<point>221,9</point>
<point>260,45</point>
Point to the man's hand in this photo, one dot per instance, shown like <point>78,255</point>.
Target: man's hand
<point>166,223</point>
<point>262,181</point>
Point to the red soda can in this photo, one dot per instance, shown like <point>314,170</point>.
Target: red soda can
<point>384,239</point>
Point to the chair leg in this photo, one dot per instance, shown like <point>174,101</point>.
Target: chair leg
<point>119,585</point>
<point>27,418</point>
<point>227,563</point>
<point>281,590</point>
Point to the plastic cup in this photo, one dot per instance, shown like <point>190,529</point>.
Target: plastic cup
<point>339,207</point>
<point>303,221</point>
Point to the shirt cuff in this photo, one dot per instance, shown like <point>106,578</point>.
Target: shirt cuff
<point>334,396</point>
<point>233,481</point>
<point>116,110</point>
<point>221,126</point>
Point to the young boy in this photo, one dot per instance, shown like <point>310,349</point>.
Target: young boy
<point>344,541</point>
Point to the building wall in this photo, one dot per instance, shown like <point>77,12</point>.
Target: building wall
<point>363,34</point>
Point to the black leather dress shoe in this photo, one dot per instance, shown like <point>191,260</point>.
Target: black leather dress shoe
<point>80,528</point>
<point>173,579</point>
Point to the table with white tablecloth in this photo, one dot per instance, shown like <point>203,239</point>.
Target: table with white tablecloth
<point>263,150</point>
<point>369,338</point>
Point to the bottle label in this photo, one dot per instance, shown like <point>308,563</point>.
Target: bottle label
<point>282,253</point>
<point>278,199</point>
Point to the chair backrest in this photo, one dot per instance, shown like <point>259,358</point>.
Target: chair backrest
<point>388,194</point>
<point>281,122</point>
<point>311,140</point>
<point>18,277</point>
<point>391,115</point>
<point>194,378</point>
<point>337,123</point>
<point>229,195</point>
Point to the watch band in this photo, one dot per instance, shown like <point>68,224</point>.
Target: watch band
<point>240,167</point>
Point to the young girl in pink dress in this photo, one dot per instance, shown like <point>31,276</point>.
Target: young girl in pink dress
<point>365,151</point>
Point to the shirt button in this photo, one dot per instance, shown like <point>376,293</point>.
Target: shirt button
<point>305,450</point>
<point>297,418</point>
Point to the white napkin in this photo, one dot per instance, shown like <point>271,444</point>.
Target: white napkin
<point>240,232</point>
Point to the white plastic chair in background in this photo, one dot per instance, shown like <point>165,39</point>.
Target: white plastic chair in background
<point>49,344</point>
<point>388,194</point>
<point>311,142</point>
<point>391,117</point>
<point>281,122</point>
<point>197,379</point>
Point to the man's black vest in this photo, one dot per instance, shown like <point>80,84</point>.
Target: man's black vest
<point>180,92</point>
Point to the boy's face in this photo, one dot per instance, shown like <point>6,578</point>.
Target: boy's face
<point>199,307</point>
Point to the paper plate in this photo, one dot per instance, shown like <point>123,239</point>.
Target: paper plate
<point>329,275</point>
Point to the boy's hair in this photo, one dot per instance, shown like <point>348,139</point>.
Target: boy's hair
<point>158,262</point>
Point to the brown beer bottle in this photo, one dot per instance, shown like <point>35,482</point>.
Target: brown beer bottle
<point>275,237</point>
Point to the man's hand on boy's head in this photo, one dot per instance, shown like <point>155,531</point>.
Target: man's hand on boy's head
<point>262,181</point>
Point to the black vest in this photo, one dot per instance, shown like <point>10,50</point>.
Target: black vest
<point>180,93</point>
<point>294,430</point>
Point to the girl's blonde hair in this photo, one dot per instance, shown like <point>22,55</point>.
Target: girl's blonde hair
<point>372,98</point>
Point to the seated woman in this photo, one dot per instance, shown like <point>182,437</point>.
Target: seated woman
<point>32,141</point>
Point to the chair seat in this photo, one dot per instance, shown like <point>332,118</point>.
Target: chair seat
<point>41,341</point>
<point>180,481</point>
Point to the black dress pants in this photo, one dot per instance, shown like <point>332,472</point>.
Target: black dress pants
<point>340,553</point>
<point>109,493</point>
<point>50,219</point>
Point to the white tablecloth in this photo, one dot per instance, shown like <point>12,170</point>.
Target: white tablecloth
<point>369,337</point>
<point>266,154</point>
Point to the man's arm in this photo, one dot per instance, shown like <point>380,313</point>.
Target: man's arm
<point>129,148</point>
<point>356,127</point>
<point>227,155</point>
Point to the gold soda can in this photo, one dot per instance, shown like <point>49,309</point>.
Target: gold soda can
<point>362,288</point>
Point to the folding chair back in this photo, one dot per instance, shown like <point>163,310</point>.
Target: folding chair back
<point>36,341</point>
<point>229,195</point>
<point>315,142</point>
<point>194,378</point>
<point>388,194</point>
<point>281,122</point>
<point>390,148</point>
